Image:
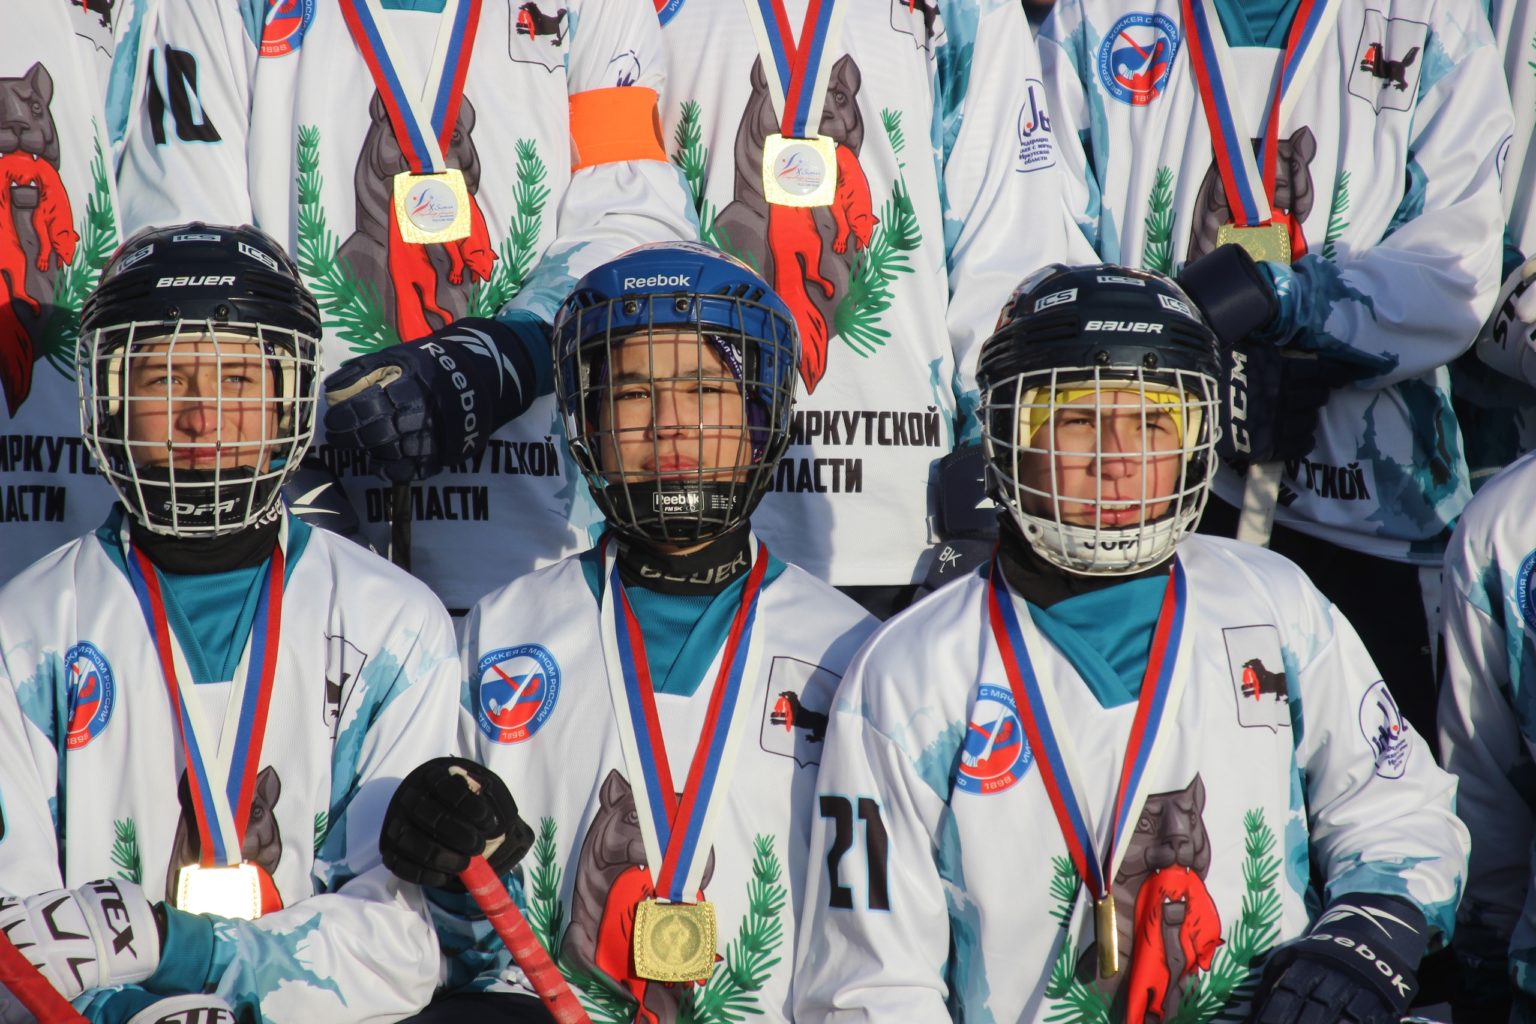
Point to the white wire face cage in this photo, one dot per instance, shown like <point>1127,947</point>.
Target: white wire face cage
<point>1104,469</point>
<point>678,426</point>
<point>196,425</point>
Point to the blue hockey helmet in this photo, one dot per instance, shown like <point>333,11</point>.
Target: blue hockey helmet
<point>712,351</point>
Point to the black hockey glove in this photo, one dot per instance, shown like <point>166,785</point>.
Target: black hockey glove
<point>966,522</point>
<point>445,812</point>
<point>1356,965</point>
<point>420,407</point>
<point>1270,398</point>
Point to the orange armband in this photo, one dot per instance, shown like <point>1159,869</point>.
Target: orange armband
<point>613,125</point>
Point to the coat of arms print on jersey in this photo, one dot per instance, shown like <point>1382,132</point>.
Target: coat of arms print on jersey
<point>52,245</point>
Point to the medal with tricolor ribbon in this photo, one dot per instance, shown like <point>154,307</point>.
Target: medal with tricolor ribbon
<point>799,165</point>
<point>1039,709</point>
<point>1250,182</point>
<point>431,200</point>
<point>675,932</point>
<point>222,764</point>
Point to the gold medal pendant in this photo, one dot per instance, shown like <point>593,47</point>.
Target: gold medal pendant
<point>1106,934</point>
<point>799,172</point>
<point>432,207</point>
<point>1266,242</point>
<point>674,941</point>
<point>233,891</point>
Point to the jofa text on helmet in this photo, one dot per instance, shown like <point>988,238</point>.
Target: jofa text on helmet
<point>1125,326</point>
<point>194,281</point>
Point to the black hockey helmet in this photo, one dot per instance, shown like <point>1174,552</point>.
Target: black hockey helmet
<point>215,292</point>
<point>1073,335</point>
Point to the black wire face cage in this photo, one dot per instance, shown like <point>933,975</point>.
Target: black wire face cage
<point>676,415</point>
<point>1103,469</point>
<point>197,425</point>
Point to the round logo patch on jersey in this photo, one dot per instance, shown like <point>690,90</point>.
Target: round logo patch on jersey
<point>286,22</point>
<point>515,692</point>
<point>1525,588</point>
<point>1385,731</point>
<point>1137,55</point>
<point>92,693</point>
<point>995,753</point>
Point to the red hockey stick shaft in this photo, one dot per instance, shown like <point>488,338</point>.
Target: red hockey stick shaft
<point>529,954</point>
<point>27,984</point>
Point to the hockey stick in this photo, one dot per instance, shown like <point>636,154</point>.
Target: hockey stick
<point>400,525</point>
<point>28,985</point>
<point>529,955</point>
<point>1261,493</point>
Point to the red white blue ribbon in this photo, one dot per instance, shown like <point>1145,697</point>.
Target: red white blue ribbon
<point>1250,190</point>
<point>423,119</point>
<point>1162,688</point>
<point>678,831</point>
<point>232,753</point>
<point>797,71</point>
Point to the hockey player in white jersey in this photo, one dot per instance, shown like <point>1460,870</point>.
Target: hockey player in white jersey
<point>658,703</point>
<point>1487,736</point>
<point>58,225</point>
<point>1109,776</point>
<point>205,704</point>
<point>424,163</point>
<point>1355,153</point>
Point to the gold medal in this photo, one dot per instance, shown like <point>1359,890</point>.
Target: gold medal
<point>1267,242</point>
<point>674,941</point>
<point>432,207</point>
<point>799,172</point>
<point>233,891</point>
<point>1106,934</point>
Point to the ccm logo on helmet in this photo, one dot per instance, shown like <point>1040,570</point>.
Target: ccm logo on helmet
<point>1125,326</point>
<point>659,281</point>
<point>193,281</point>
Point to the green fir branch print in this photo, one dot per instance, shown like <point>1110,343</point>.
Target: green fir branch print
<point>731,993</point>
<point>546,912</point>
<point>1234,971</point>
<point>1075,1003</point>
<point>322,829</point>
<point>125,850</point>
<point>352,307</point>
<point>529,197</point>
<point>691,156</point>
<point>1336,214</point>
<point>1157,250</point>
<point>603,1004</point>
<point>77,279</point>
<point>857,319</point>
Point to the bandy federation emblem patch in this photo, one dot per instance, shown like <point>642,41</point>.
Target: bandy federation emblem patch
<point>994,754</point>
<point>795,705</point>
<point>1136,57</point>
<point>515,692</point>
<point>92,693</point>
<point>1259,683</point>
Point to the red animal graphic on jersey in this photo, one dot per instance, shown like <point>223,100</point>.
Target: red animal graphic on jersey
<point>1173,897</point>
<point>53,224</point>
<point>795,241</point>
<point>415,278</point>
<point>610,881</point>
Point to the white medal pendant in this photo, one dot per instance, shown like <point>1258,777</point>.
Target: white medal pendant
<point>432,207</point>
<point>799,172</point>
<point>233,891</point>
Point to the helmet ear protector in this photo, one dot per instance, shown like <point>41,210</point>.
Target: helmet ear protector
<point>1104,373</point>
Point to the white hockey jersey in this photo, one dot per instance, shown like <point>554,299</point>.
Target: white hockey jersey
<point>954,897</point>
<point>1487,730</point>
<point>276,123</point>
<point>1388,179</point>
<point>1514,29</point>
<point>90,763</point>
<point>948,195</point>
<point>562,759</point>
<point>58,225</point>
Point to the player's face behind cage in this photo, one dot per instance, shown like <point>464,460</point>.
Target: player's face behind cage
<point>197,426</point>
<point>680,425</point>
<point>1105,470</point>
